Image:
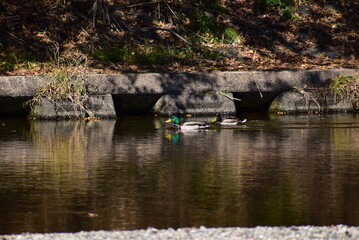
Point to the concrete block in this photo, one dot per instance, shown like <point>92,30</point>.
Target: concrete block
<point>100,106</point>
<point>194,103</point>
<point>296,102</point>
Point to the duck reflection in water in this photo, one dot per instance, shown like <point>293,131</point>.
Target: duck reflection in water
<point>173,137</point>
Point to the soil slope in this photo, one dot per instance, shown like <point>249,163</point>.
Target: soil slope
<point>37,35</point>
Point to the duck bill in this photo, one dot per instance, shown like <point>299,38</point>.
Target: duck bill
<point>214,120</point>
<point>168,121</point>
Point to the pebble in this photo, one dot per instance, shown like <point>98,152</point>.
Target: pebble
<point>338,232</point>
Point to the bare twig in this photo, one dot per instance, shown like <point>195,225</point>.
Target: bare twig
<point>308,97</point>
<point>99,7</point>
<point>225,95</point>
<point>229,97</point>
<point>159,10</point>
<point>94,12</point>
<point>259,90</point>
<point>174,14</point>
<point>18,39</point>
<point>137,5</point>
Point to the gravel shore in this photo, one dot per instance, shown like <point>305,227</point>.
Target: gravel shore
<point>203,233</point>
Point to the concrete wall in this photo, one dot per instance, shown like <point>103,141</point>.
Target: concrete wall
<point>168,93</point>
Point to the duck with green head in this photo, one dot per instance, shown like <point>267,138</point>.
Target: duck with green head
<point>228,121</point>
<point>176,123</point>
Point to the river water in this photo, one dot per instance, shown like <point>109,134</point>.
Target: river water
<point>133,173</point>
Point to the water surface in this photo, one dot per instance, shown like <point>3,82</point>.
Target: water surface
<point>132,173</point>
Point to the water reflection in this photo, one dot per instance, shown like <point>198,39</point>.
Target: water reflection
<point>135,173</point>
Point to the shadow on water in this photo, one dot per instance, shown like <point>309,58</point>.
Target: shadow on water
<point>66,176</point>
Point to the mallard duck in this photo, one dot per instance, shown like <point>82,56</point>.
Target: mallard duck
<point>228,121</point>
<point>176,123</point>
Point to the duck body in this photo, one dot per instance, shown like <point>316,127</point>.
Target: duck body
<point>228,121</point>
<point>186,125</point>
<point>193,125</point>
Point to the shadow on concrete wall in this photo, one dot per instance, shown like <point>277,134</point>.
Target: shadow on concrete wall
<point>178,93</point>
<point>264,87</point>
<point>134,105</point>
<point>189,93</point>
<point>14,106</point>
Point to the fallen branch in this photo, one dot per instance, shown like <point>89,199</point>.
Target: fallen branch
<point>170,9</point>
<point>16,38</point>
<point>137,5</point>
<point>174,33</point>
<point>225,95</point>
<point>229,97</point>
<point>307,97</point>
<point>259,90</point>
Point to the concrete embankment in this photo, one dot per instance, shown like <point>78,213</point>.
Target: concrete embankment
<point>264,233</point>
<point>168,93</point>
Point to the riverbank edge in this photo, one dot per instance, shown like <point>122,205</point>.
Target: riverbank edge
<point>173,93</point>
<point>176,82</point>
<point>260,232</point>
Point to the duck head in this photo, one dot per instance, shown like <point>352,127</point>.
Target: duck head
<point>174,119</point>
<point>218,118</point>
